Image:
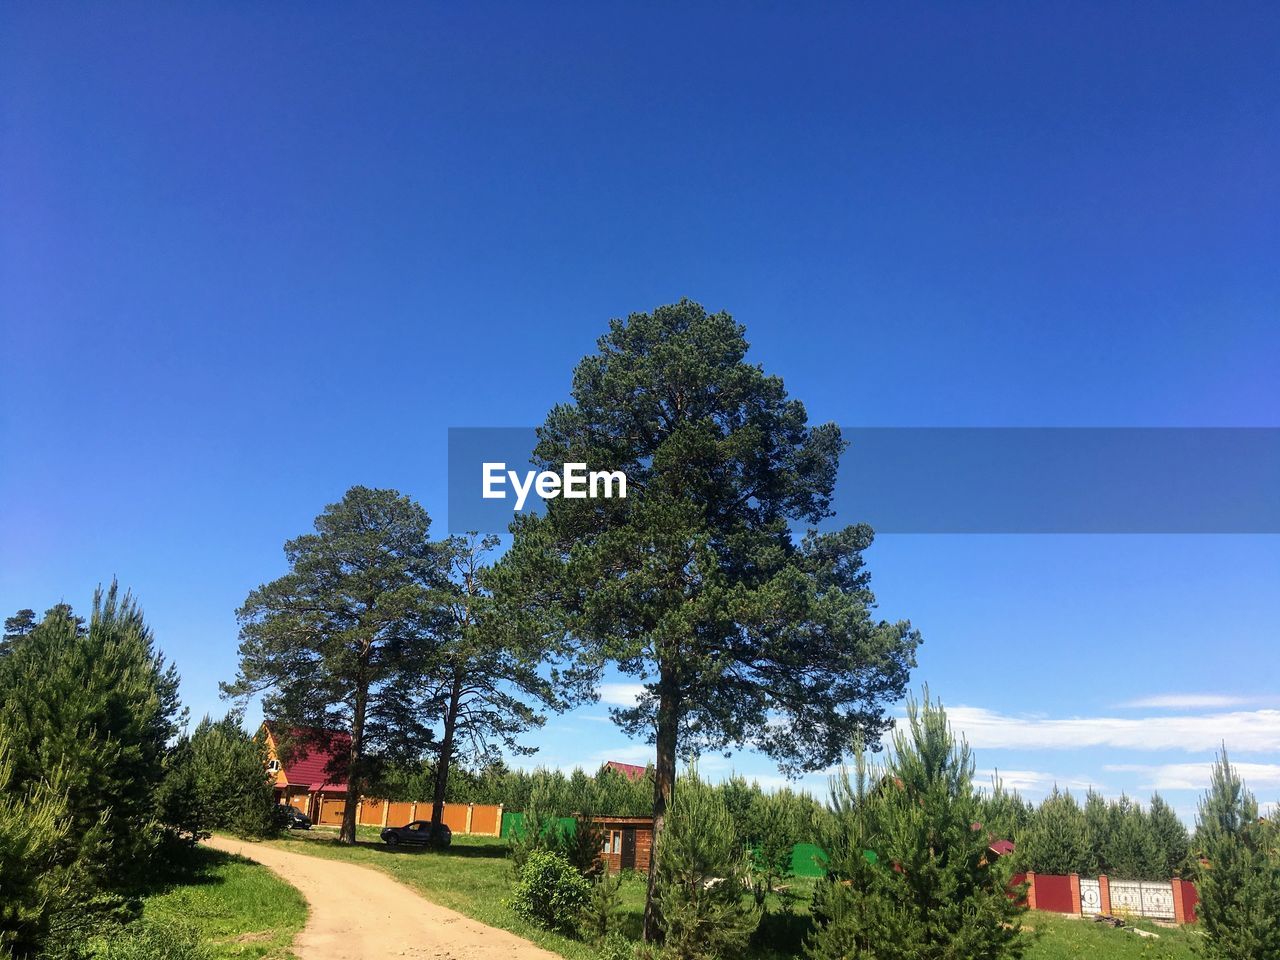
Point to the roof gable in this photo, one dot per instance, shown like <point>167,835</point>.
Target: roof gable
<point>317,757</point>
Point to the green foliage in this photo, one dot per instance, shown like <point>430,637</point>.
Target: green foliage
<point>541,832</point>
<point>215,780</point>
<point>581,846</point>
<point>343,640</point>
<point>1005,815</point>
<point>87,711</point>
<point>774,826</point>
<point>35,878</point>
<point>616,947</point>
<point>909,874</point>
<point>701,879</point>
<point>1131,851</point>
<point>1056,840</point>
<point>138,941</point>
<point>1239,886</point>
<point>601,914</point>
<point>695,582</point>
<point>550,892</point>
<point>1169,838</point>
<point>1097,830</point>
<point>490,681</point>
<point>1117,838</point>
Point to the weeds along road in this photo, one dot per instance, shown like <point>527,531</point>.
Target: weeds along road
<point>355,913</point>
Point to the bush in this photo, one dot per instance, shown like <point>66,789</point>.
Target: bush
<point>908,872</point>
<point>33,880</point>
<point>215,780</point>
<point>600,914</point>
<point>550,892</point>
<point>702,878</point>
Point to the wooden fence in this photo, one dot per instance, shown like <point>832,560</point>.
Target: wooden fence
<point>482,819</point>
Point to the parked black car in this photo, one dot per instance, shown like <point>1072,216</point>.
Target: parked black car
<point>418,832</point>
<point>291,818</point>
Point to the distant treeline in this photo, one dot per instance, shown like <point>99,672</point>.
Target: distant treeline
<point>605,792</point>
<point>1118,837</point>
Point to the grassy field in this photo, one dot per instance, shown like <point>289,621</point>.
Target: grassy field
<point>237,908</point>
<point>473,877</point>
<point>1059,937</point>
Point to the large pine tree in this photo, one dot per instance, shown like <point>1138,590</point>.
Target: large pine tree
<point>341,643</point>
<point>696,583</point>
<point>910,876</point>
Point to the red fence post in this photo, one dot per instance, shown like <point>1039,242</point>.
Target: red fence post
<point>1104,895</point>
<point>1075,894</point>
<point>1031,890</point>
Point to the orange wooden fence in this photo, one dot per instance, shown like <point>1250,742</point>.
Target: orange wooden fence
<point>483,819</point>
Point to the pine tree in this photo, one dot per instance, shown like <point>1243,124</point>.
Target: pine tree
<point>100,704</point>
<point>344,642</point>
<point>36,876</point>
<point>1239,885</point>
<point>1170,838</point>
<point>1131,849</point>
<point>1005,814</point>
<point>743,630</point>
<point>701,879</point>
<point>1097,832</point>
<point>909,875</point>
<point>215,780</point>
<point>1056,841</point>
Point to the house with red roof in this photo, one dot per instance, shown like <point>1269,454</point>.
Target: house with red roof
<point>307,766</point>
<point>631,771</point>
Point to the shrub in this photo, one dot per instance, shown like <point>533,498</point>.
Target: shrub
<point>550,892</point>
<point>215,780</point>
<point>600,914</point>
<point>33,880</point>
<point>909,877</point>
<point>702,878</point>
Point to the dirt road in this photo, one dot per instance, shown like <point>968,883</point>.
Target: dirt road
<point>361,914</point>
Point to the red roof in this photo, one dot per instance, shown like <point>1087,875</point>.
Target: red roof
<point>631,771</point>
<point>317,760</point>
<point>1002,848</point>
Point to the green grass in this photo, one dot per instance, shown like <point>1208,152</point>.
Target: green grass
<point>473,877</point>
<point>1058,937</point>
<point>237,908</point>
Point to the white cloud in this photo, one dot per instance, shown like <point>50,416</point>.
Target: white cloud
<point>1195,776</point>
<point>640,753</point>
<point>1034,781</point>
<point>621,694</point>
<point>1244,730</point>
<point>1186,701</point>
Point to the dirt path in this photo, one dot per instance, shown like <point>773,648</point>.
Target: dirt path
<point>361,914</point>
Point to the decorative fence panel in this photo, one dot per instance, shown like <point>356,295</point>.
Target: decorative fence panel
<point>1142,898</point>
<point>1090,897</point>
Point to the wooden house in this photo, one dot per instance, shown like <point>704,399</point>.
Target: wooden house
<point>628,842</point>
<point>303,764</point>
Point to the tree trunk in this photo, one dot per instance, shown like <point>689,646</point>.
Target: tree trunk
<point>446,754</point>
<point>347,832</point>
<point>664,781</point>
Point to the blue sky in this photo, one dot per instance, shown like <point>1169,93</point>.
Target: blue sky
<point>251,256</point>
